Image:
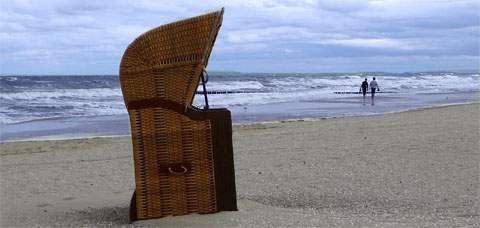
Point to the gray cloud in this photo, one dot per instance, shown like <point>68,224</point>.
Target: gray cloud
<point>89,37</point>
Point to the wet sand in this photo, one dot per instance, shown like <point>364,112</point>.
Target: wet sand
<point>91,126</point>
<point>411,169</point>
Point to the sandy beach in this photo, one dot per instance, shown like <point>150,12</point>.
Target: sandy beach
<point>412,169</point>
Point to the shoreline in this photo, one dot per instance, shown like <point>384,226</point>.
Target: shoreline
<point>306,119</point>
<point>410,169</point>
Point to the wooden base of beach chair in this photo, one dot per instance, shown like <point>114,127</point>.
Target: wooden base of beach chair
<point>183,156</point>
<point>223,195</point>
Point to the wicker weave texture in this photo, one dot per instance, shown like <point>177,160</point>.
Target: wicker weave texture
<point>166,63</point>
<point>170,58</point>
<point>172,139</point>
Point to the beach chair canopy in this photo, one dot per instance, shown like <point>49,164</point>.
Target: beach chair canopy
<point>167,62</point>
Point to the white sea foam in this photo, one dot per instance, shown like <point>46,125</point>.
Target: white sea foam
<point>61,93</point>
<point>234,85</point>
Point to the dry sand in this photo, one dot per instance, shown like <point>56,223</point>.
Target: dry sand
<point>411,169</point>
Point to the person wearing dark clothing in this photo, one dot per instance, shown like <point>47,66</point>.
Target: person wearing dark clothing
<point>364,88</point>
<point>374,87</point>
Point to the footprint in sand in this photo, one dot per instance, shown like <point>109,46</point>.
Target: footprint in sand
<point>44,205</point>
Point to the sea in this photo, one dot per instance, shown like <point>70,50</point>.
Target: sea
<point>71,106</point>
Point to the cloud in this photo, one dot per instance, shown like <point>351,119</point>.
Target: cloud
<point>374,43</point>
<point>284,33</point>
<point>76,37</point>
<point>344,6</point>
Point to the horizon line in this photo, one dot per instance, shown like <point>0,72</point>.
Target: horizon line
<point>239,72</point>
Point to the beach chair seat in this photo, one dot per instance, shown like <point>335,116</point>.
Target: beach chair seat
<point>183,155</point>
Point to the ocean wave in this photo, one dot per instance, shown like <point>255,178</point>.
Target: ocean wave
<point>61,94</point>
<point>235,86</point>
<point>30,98</point>
<point>31,105</point>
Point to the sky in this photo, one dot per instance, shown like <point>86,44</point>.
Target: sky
<point>89,37</point>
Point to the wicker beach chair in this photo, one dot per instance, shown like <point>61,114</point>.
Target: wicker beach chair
<point>182,154</point>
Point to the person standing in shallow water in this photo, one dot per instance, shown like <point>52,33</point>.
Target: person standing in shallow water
<point>363,89</point>
<point>374,87</point>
